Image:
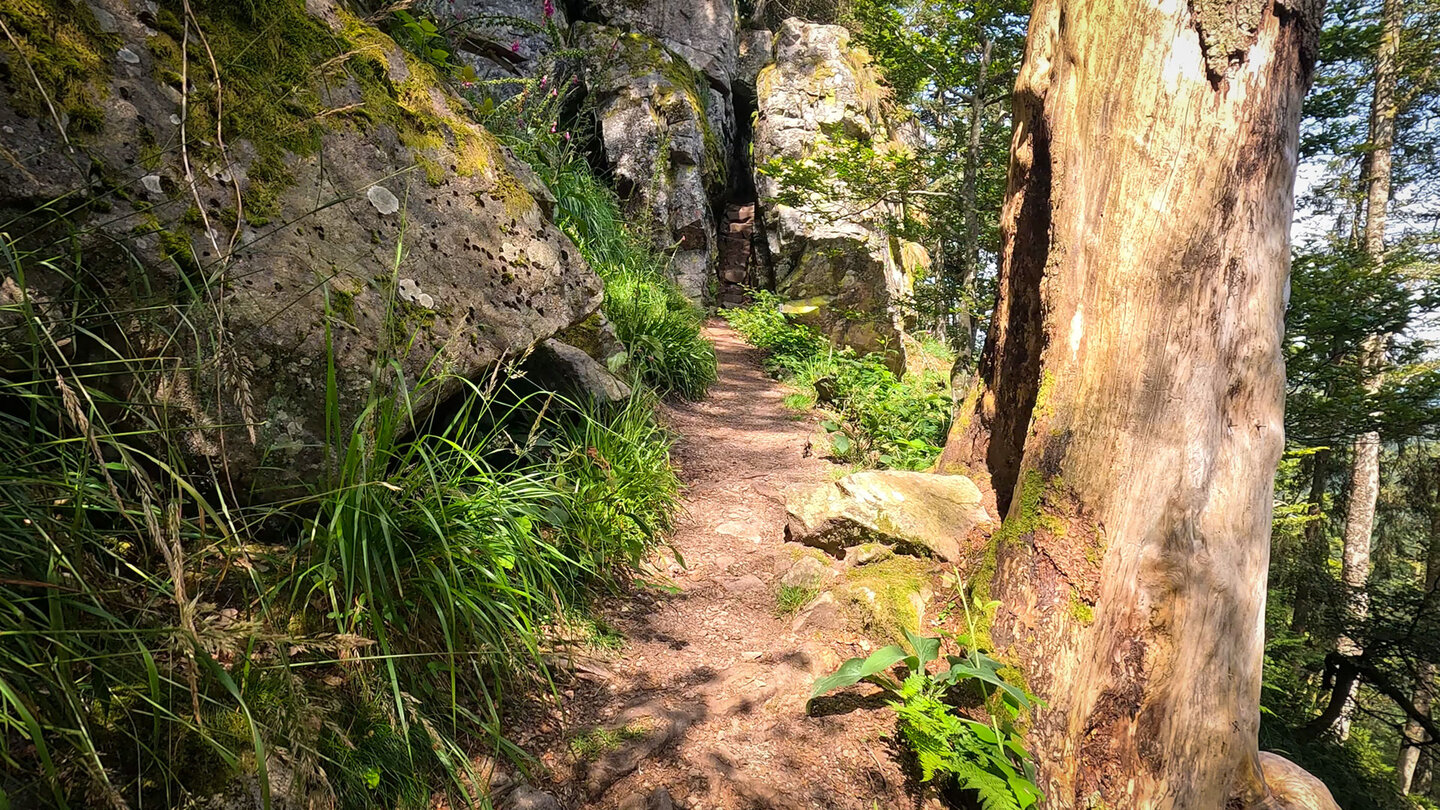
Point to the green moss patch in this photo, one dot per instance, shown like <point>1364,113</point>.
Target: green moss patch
<point>892,582</point>
<point>597,742</point>
<point>58,42</point>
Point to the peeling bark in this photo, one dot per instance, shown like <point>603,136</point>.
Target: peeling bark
<point>1129,414</point>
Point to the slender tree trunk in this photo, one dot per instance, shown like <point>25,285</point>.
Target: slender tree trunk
<point>1130,419</point>
<point>1423,696</point>
<point>965,333</point>
<point>1365,455</point>
<point>1315,553</point>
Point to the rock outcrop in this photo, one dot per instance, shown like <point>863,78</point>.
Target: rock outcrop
<point>658,120</point>
<point>355,216</point>
<point>702,32</point>
<point>917,513</point>
<point>844,275</point>
<point>504,39</point>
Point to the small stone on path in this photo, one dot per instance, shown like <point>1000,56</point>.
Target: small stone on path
<point>745,584</point>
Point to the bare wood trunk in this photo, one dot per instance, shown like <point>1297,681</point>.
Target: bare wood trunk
<point>1130,419</point>
<point>1365,455</point>
<point>1355,560</point>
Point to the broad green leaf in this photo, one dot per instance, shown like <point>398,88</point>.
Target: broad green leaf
<point>841,443</point>
<point>926,650</point>
<point>984,732</point>
<point>858,669</point>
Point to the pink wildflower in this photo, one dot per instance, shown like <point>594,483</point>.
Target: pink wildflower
<point>515,46</point>
<point>549,9</point>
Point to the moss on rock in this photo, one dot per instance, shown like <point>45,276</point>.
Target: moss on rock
<point>888,596</point>
<point>60,43</point>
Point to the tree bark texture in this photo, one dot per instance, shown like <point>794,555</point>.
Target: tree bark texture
<point>1129,414</point>
<point>1365,455</point>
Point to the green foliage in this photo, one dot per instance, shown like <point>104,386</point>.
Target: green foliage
<point>1338,299</point>
<point>987,758</point>
<point>597,742</point>
<point>873,418</point>
<point>790,598</point>
<point>162,638</point>
<point>421,37</point>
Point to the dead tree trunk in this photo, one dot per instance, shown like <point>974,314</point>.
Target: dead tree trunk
<point>1129,417</point>
<point>1365,455</point>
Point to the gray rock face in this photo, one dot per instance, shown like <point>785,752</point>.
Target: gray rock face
<point>757,49</point>
<point>665,148</point>
<point>308,269</point>
<point>808,572</point>
<point>506,38</point>
<point>525,797</point>
<point>568,370</point>
<point>831,264</point>
<point>702,32</point>
<point>918,513</point>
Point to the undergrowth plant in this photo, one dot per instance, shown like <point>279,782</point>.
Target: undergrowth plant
<point>872,418</point>
<point>160,638</point>
<point>989,757</point>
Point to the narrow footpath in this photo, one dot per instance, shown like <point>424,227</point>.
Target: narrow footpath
<point>703,707</point>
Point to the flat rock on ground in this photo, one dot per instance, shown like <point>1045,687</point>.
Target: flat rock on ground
<point>706,700</point>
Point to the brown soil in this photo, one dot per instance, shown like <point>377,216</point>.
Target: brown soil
<point>706,699</point>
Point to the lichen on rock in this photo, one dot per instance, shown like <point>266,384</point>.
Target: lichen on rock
<point>665,151</point>
<point>916,513</point>
<point>316,110</point>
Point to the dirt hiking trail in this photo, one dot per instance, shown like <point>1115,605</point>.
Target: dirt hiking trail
<point>704,706</point>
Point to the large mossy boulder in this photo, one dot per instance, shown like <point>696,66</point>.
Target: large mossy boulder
<point>841,271</point>
<point>663,144</point>
<point>325,201</point>
<point>923,514</point>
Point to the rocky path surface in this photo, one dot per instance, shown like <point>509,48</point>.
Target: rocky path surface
<point>704,706</point>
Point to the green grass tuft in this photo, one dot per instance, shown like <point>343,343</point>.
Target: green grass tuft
<point>790,598</point>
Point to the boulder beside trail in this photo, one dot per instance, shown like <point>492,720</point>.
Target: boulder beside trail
<point>267,259</point>
<point>662,125</point>
<point>923,514</point>
<point>561,367</point>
